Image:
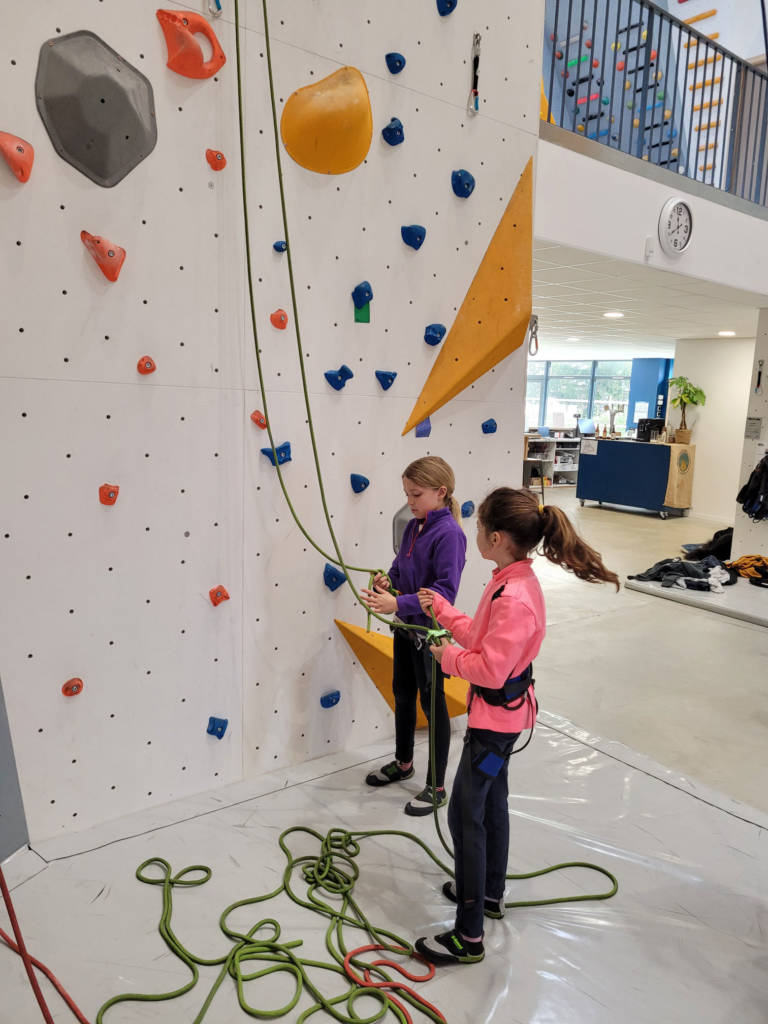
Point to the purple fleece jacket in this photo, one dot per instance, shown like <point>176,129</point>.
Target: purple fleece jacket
<point>431,555</point>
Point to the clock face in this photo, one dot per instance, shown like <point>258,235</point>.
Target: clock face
<point>675,227</point>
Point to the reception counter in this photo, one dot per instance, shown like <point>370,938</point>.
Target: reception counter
<point>636,474</point>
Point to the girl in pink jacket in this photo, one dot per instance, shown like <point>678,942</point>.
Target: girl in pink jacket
<point>497,649</point>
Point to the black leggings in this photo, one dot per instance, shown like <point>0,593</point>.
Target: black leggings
<point>412,674</point>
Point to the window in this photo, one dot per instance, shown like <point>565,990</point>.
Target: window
<point>557,391</point>
<point>534,393</point>
<point>611,394</point>
<point>567,398</point>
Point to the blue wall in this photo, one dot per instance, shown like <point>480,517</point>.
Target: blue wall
<point>648,383</point>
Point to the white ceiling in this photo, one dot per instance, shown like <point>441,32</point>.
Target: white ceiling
<point>572,289</point>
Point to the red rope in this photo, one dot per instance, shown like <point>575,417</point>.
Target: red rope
<point>366,981</point>
<point>29,962</point>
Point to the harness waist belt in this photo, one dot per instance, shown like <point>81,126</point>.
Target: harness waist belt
<point>513,690</point>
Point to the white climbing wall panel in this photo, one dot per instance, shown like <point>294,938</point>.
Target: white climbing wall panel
<point>119,595</point>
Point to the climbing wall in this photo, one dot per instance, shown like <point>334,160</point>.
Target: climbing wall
<point>117,595</point>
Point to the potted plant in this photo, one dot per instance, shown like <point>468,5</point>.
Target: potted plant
<point>687,394</point>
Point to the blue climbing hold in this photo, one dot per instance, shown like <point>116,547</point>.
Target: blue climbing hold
<point>362,294</point>
<point>386,378</point>
<point>489,426</point>
<point>338,378</point>
<point>424,429</point>
<point>434,333</point>
<point>446,7</point>
<point>330,699</point>
<point>280,246</point>
<point>467,509</point>
<point>413,235</point>
<point>332,577</point>
<point>217,727</point>
<point>283,453</point>
<point>359,482</point>
<point>393,133</point>
<point>395,62</point>
<point>462,183</point>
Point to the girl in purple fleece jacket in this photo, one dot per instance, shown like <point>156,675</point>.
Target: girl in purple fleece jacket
<point>432,554</point>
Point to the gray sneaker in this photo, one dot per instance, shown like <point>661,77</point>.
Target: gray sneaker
<point>423,802</point>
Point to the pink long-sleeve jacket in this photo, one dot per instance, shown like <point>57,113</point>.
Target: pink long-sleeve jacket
<point>500,641</point>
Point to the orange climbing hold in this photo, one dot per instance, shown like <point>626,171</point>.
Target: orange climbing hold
<point>216,159</point>
<point>258,419</point>
<point>72,687</point>
<point>185,55</point>
<point>327,126</point>
<point>108,494</point>
<point>279,319</point>
<point>109,257</point>
<point>217,595</point>
<point>146,365</point>
<point>19,155</point>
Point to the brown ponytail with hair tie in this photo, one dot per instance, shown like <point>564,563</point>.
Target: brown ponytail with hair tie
<point>519,514</point>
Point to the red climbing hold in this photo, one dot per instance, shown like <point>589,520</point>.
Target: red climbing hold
<point>72,687</point>
<point>108,494</point>
<point>620,65</point>
<point>216,159</point>
<point>258,419</point>
<point>146,365</point>
<point>185,55</point>
<point>217,595</point>
<point>279,319</point>
<point>109,257</point>
<point>19,155</point>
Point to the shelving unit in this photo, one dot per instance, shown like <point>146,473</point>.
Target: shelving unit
<point>547,454</point>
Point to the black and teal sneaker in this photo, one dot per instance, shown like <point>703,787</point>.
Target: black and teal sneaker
<point>391,772</point>
<point>491,908</point>
<point>422,803</point>
<point>449,948</point>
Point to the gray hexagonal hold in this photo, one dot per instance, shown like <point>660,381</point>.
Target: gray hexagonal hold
<point>98,109</point>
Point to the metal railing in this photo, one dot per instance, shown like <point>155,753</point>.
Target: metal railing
<point>629,75</point>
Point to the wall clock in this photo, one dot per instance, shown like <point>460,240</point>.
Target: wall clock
<point>675,226</point>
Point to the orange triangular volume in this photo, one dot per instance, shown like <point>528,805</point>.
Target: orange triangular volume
<point>495,313</point>
<point>374,652</point>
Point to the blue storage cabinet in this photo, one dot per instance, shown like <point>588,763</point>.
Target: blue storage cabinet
<point>625,473</point>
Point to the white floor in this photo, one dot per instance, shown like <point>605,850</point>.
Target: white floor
<point>684,939</point>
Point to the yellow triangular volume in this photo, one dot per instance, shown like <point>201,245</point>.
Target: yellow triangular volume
<point>374,652</point>
<point>495,313</point>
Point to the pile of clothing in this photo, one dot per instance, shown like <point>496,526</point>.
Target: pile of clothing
<point>707,574</point>
<point>754,568</point>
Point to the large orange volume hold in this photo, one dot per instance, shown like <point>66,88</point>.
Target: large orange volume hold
<point>374,651</point>
<point>185,55</point>
<point>494,316</point>
<point>19,155</point>
<point>327,126</point>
